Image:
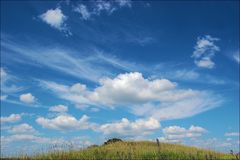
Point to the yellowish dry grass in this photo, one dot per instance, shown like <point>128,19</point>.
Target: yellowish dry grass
<point>143,150</point>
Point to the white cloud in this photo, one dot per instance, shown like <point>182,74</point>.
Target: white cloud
<point>11,118</point>
<point>236,57</point>
<point>56,19</point>
<point>59,108</point>
<point>22,129</point>
<point>73,93</point>
<point>179,109</point>
<point>123,3</point>
<point>216,144</point>
<point>66,61</point>
<point>65,123</point>
<point>165,140</point>
<point>3,97</point>
<point>82,9</point>
<point>176,134</point>
<point>205,50</point>
<point>186,74</point>
<point>205,62</point>
<point>6,83</point>
<point>232,134</point>
<point>159,98</point>
<point>132,88</point>
<point>98,7</point>
<point>125,128</point>
<point>27,98</point>
<point>30,138</point>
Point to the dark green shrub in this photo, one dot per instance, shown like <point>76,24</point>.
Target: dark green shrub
<point>112,140</point>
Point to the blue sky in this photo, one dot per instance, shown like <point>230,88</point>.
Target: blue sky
<point>80,72</point>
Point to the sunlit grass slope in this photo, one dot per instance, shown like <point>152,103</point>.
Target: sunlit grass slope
<point>142,150</point>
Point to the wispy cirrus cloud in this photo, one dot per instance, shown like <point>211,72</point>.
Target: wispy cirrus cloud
<point>205,50</point>
<point>236,57</point>
<point>67,61</point>
<point>89,10</point>
<point>99,64</point>
<point>232,134</point>
<point>7,86</point>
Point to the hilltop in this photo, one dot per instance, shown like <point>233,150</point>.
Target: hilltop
<point>131,150</point>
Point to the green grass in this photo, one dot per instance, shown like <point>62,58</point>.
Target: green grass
<point>143,150</point>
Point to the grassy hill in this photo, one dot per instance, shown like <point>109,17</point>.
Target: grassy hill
<point>142,150</point>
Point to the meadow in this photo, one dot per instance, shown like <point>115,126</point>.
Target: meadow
<point>132,150</point>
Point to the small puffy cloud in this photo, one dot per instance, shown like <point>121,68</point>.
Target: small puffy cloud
<point>176,132</point>
<point>65,123</point>
<point>59,108</point>
<point>205,50</point>
<point>125,128</point>
<point>236,57</point>
<point>205,62</point>
<point>22,129</point>
<point>11,118</point>
<point>55,18</point>
<point>232,134</point>
<point>27,98</point>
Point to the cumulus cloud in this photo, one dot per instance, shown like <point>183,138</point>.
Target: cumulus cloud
<point>56,19</point>
<point>11,118</point>
<point>132,88</point>
<point>22,129</point>
<point>59,108</point>
<point>158,98</point>
<point>205,50</point>
<point>232,134</point>
<point>125,128</point>
<point>176,134</point>
<point>65,123</point>
<point>27,98</point>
